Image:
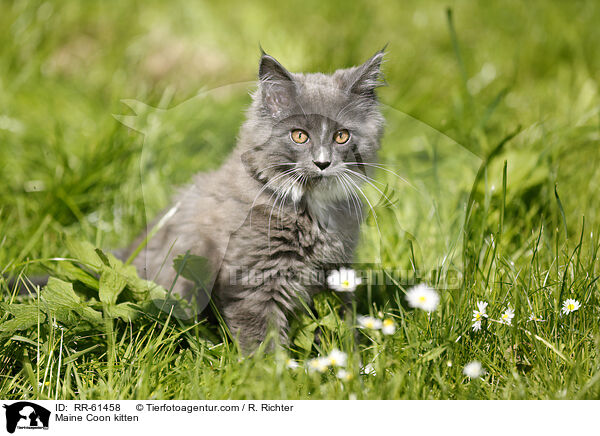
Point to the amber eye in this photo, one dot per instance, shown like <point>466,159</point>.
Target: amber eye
<point>299,136</point>
<point>341,136</point>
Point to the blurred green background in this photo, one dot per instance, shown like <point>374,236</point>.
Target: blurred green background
<point>67,165</point>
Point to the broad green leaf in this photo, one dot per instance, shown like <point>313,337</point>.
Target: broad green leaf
<point>84,251</point>
<point>305,337</point>
<point>174,305</point>
<point>111,285</point>
<point>58,293</point>
<point>194,268</point>
<point>126,311</point>
<point>69,272</point>
<point>25,316</point>
<point>62,302</point>
<point>90,315</point>
<point>304,331</point>
<point>330,321</point>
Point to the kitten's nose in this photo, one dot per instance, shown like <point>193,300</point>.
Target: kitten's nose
<point>321,165</point>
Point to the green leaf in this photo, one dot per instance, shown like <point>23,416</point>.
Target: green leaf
<point>326,302</point>
<point>25,316</point>
<point>90,315</point>
<point>102,257</point>
<point>85,252</point>
<point>61,301</point>
<point>304,332</point>
<point>330,321</point>
<point>196,269</point>
<point>305,337</point>
<point>69,272</point>
<point>126,311</point>
<point>58,293</point>
<point>74,356</point>
<point>111,285</point>
<point>24,339</point>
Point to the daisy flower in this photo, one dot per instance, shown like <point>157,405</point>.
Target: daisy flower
<point>344,280</point>
<point>368,322</point>
<point>337,358</point>
<point>507,316</point>
<point>319,364</point>
<point>291,364</point>
<point>368,369</point>
<point>344,375</point>
<point>388,327</point>
<point>535,318</point>
<point>570,305</point>
<point>473,369</point>
<point>423,297</point>
<point>479,315</point>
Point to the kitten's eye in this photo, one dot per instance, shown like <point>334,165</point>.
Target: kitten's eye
<point>299,136</point>
<point>341,136</point>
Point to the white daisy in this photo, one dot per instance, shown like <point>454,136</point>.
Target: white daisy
<point>473,369</point>
<point>291,364</point>
<point>337,358</point>
<point>482,306</point>
<point>368,369</point>
<point>319,364</point>
<point>344,375</point>
<point>368,322</point>
<point>570,305</point>
<point>344,280</point>
<point>423,297</point>
<point>479,315</point>
<point>388,327</point>
<point>507,316</point>
<point>535,318</point>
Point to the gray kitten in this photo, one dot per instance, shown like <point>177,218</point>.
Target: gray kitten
<point>284,208</point>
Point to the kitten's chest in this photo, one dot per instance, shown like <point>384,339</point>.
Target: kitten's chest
<point>329,241</point>
<point>293,240</point>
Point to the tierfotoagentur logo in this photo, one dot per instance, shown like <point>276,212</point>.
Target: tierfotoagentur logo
<point>27,416</point>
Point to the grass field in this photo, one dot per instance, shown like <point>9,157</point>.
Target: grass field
<point>492,117</point>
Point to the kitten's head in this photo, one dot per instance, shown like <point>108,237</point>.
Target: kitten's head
<point>306,133</point>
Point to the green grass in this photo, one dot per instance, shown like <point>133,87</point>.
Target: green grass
<point>494,121</point>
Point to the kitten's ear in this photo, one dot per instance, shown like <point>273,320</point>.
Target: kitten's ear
<point>368,76</point>
<point>277,85</point>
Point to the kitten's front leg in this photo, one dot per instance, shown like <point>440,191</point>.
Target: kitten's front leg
<point>250,320</point>
<point>254,304</point>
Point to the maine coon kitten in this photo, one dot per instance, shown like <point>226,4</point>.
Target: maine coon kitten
<point>284,208</point>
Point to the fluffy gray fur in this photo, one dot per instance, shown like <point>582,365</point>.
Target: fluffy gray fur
<point>270,221</point>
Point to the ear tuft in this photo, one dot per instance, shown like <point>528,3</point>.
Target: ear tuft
<point>368,76</point>
<point>276,83</point>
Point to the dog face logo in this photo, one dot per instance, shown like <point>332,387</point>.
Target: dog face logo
<point>26,415</point>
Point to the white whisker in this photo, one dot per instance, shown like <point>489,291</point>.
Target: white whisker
<point>366,179</point>
<point>279,191</point>
<point>366,199</point>
<point>351,196</point>
<point>267,185</point>
<point>381,167</point>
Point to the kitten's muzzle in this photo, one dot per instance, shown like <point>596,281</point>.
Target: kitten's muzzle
<point>322,164</point>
